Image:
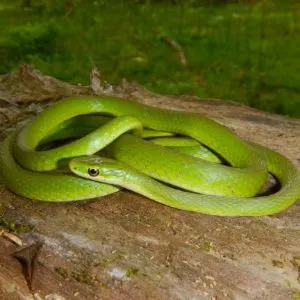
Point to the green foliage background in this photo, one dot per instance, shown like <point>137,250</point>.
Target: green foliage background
<point>246,51</point>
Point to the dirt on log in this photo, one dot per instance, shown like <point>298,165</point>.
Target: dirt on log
<point>125,246</point>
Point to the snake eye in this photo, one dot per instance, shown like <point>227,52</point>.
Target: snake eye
<point>93,172</point>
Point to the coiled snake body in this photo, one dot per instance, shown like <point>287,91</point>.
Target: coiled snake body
<point>161,173</point>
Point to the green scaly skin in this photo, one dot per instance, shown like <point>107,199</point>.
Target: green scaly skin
<point>116,173</point>
<point>21,165</point>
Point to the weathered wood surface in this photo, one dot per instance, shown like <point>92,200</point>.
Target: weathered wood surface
<point>127,247</point>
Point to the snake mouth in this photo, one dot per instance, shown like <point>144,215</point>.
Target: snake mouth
<point>74,167</point>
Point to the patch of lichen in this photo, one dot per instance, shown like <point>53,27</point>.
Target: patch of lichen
<point>14,226</point>
<point>82,276</point>
<point>296,264</point>
<point>63,272</point>
<point>2,210</point>
<point>205,246</point>
<point>131,272</point>
<point>296,295</point>
<point>277,263</point>
<point>296,261</point>
<point>108,261</point>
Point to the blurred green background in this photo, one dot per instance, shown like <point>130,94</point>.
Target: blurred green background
<point>247,51</point>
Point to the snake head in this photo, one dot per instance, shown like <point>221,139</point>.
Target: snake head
<point>97,168</point>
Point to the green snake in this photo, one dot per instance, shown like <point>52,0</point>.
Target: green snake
<point>123,130</point>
